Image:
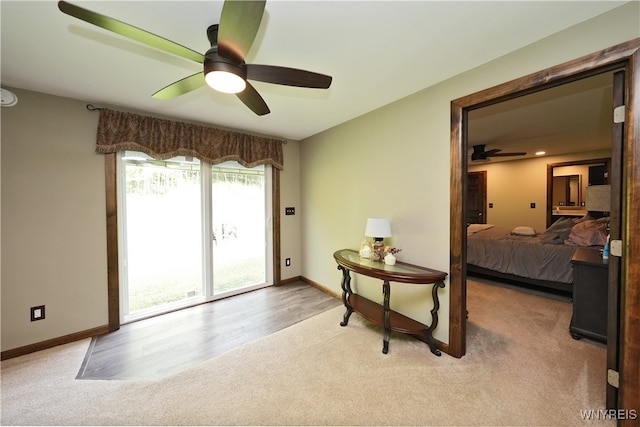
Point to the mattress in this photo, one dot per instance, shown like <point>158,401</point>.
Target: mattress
<point>497,249</point>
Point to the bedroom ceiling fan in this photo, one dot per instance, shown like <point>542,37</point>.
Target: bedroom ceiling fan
<point>479,153</point>
<point>224,66</point>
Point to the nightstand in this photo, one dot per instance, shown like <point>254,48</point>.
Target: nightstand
<point>590,278</point>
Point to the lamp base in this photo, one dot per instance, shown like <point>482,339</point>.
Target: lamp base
<point>378,249</point>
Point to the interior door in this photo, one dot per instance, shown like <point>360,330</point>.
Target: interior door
<point>615,277</point>
<point>477,197</point>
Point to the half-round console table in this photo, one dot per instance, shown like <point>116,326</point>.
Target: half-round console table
<point>349,260</point>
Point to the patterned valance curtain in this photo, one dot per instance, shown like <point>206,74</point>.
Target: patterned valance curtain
<point>162,139</point>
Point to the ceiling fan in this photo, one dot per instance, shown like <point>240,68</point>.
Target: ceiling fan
<point>479,153</point>
<point>224,66</point>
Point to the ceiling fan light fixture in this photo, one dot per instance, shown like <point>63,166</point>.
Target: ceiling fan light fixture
<point>222,74</point>
<point>225,81</point>
<point>225,72</point>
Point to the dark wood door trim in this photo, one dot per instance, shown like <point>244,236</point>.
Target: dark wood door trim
<point>275,232</point>
<point>621,56</point>
<point>458,236</point>
<point>615,226</point>
<point>629,391</point>
<point>113,273</point>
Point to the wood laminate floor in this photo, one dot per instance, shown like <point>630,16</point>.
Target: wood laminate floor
<point>164,345</point>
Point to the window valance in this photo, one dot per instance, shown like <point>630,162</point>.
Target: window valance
<point>163,139</point>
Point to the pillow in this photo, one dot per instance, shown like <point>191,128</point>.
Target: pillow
<point>583,218</point>
<point>523,230</point>
<point>561,224</point>
<point>588,233</point>
<point>474,228</point>
<point>557,232</point>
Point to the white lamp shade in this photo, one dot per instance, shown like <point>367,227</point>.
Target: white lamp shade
<point>378,227</point>
<point>598,198</point>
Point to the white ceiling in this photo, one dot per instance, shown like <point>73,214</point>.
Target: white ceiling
<point>575,117</point>
<point>376,51</point>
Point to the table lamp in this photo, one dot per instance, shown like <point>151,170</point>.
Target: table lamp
<point>378,228</point>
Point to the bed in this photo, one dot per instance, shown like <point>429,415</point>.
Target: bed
<point>524,256</point>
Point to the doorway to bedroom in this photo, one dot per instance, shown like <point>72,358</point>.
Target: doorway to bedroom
<point>620,324</point>
<point>541,143</point>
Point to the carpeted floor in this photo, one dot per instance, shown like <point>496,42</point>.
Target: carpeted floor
<point>521,368</point>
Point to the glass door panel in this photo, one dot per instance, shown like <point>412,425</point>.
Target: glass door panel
<point>238,226</point>
<point>163,233</point>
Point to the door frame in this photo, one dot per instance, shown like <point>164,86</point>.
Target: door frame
<point>624,55</point>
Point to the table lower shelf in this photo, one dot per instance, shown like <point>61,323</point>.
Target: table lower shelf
<point>374,313</point>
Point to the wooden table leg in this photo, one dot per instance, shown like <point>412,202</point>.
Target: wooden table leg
<point>434,319</point>
<point>346,292</point>
<point>386,291</point>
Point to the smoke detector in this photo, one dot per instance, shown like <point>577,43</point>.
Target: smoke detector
<point>9,99</point>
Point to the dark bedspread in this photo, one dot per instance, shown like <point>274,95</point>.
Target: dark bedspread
<point>525,256</point>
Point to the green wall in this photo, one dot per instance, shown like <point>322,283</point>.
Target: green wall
<point>394,162</point>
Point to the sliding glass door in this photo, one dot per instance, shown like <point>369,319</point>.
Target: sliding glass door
<point>190,232</point>
<point>239,227</point>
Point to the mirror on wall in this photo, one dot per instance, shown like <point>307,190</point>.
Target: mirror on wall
<point>567,186</point>
<point>566,190</point>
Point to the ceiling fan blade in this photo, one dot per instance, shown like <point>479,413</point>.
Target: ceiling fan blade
<point>181,87</point>
<point>252,99</point>
<point>515,153</point>
<point>239,24</point>
<point>491,152</point>
<point>287,76</point>
<point>130,31</point>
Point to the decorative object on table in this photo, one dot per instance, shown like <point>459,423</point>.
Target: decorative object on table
<point>390,255</point>
<point>378,228</point>
<point>365,249</point>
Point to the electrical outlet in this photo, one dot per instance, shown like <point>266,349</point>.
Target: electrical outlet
<point>37,313</point>
<point>289,211</point>
<point>287,262</point>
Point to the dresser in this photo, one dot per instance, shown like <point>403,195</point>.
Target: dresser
<point>590,277</point>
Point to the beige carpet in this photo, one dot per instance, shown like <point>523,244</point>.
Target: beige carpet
<point>521,368</point>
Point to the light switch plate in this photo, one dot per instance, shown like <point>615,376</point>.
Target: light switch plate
<point>37,313</point>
